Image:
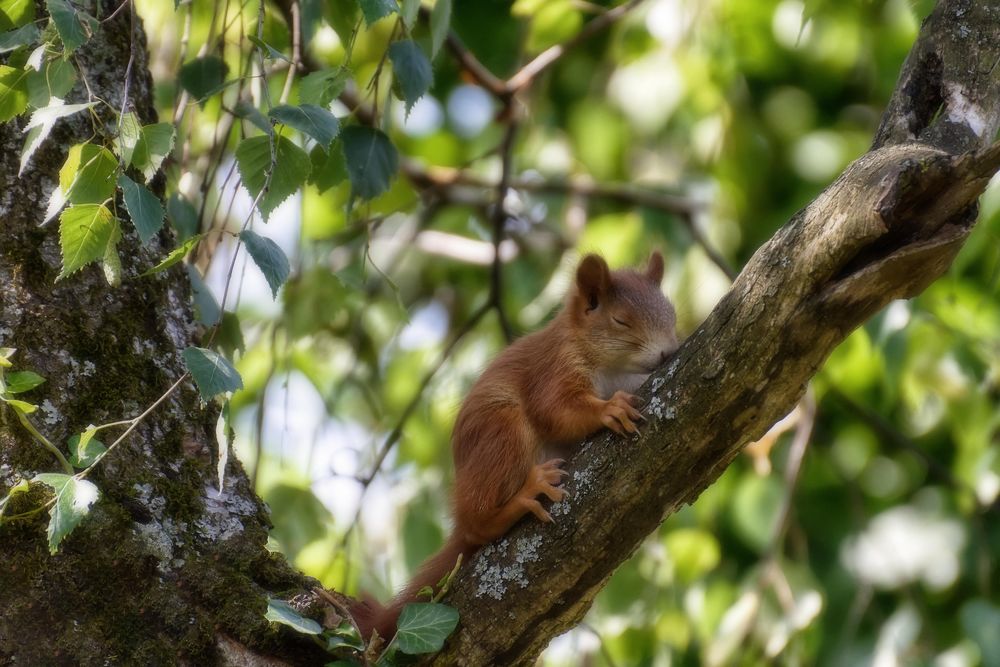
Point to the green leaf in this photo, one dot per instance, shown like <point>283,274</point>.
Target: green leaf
<point>413,70</point>
<point>249,112</point>
<point>54,79</point>
<point>84,449</point>
<point>128,136</point>
<point>88,175</point>
<point>693,552</point>
<point>328,169</point>
<point>409,12</point>
<point>755,506</point>
<point>203,77</point>
<point>292,166</point>
<point>21,406</point>
<point>175,256</point>
<point>423,627</point>
<point>111,262</point>
<point>268,257</point>
<point>211,372</point>
<point>206,309</point>
<point>13,92</point>
<point>152,148</point>
<point>75,27</point>
<point>371,160</point>
<point>41,123</point>
<point>440,22</point>
<point>16,13</point>
<point>271,53</point>
<point>143,207</point>
<point>229,335</point>
<point>312,120</point>
<point>280,611</point>
<point>322,87</point>
<point>373,10</point>
<point>85,230</point>
<point>22,381</point>
<point>73,500</point>
<point>182,215</point>
<point>12,39</point>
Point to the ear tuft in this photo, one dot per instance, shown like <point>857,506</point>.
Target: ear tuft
<point>593,279</point>
<point>654,269</point>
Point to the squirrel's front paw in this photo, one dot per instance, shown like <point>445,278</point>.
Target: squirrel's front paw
<point>620,414</point>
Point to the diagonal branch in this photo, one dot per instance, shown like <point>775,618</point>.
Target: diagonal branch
<point>885,229</point>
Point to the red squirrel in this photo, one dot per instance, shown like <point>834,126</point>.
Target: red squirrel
<point>548,389</point>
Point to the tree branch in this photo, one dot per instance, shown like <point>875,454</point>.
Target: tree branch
<point>888,227</point>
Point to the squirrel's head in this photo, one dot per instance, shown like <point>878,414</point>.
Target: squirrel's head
<point>627,322</point>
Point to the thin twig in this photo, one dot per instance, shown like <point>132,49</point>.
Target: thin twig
<point>499,223</point>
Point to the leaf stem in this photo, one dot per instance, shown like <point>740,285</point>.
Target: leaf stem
<point>45,442</point>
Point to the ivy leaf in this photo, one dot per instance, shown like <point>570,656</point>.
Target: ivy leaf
<point>182,215</point>
<point>211,372</point>
<point>373,10</point>
<point>17,13</point>
<point>75,27</point>
<point>87,176</point>
<point>440,22</point>
<point>371,160</point>
<point>84,449</point>
<point>280,611</point>
<point>271,52</point>
<point>73,500</point>
<point>203,77</point>
<point>41,123</point>
<point>322,87</point>
<point>175,255</point>
<point>143,207</point>
<point>328,168</point>
<point>292,166</point>
<point>12,39</point>
<point>309,119</point>
<point>423,627</point>
<point>153,146</point>
<point>13,92</point>
<point>85,230</point>
<point>22,381</point>
<point>413,70</point>
<point>268,257</point>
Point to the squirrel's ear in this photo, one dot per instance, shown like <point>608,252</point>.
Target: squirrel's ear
<point>654,270</point>
<point>593,278</point>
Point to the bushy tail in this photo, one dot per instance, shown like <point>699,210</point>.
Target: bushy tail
<point>370,615</point>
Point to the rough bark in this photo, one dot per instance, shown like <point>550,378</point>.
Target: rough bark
<point>885,229</point>
<point>166,569</point>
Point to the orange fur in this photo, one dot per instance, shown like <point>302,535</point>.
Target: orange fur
<point>548,389</point>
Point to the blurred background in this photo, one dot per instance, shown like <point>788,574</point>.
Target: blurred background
<point>863,531</point>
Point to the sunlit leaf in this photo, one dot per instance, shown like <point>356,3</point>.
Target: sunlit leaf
<point>309,119</point>
<point>13,92</point>
<point>85,230</point>
<point>280,611</point>
<point>176,255</point>
<point>73,500</point>
<point>288,174</point>
<point>88,175</point>
<point>85,449</point>
<point>22,381</point>
<point>373,10</point>
<point>153,146</point>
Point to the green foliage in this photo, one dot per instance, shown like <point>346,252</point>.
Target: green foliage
<point>85,233</point>
<point>413,70</point>
<point>22,381</point>
<point>282,171</point>
<point>13,92</point>
<point>85,449</point>
<point>143,208</point>
<point>72,503</point>
<point>268,257</point>
<point>87,176</point>
<point>75,26</point>
<point>203,77</point>
<point>153,146</point>
<point>321,87</point>
<point>373,10</point>
<point>280,611</point>
<point>212,372</point>
<point>371,160</point>
<point>312,120</point>
<point>176,255</point>
<point>423,627</point>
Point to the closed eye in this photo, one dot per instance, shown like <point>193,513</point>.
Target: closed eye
<point>619,322</point>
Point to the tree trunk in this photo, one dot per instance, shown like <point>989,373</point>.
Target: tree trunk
<point>165,569</point>
<point>885,229</point>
